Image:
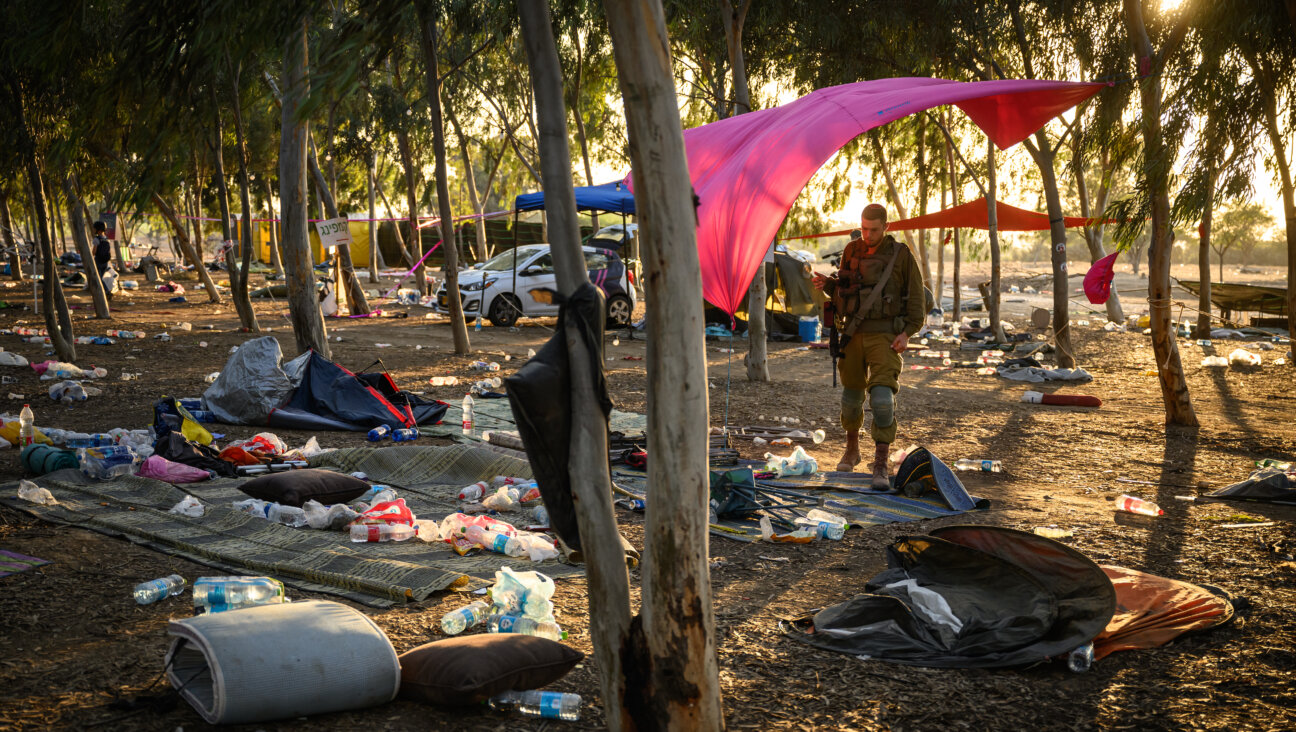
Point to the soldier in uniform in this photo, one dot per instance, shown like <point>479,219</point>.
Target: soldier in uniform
<point>879,302</point>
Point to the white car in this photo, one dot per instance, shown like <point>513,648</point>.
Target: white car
<point>500,288</point>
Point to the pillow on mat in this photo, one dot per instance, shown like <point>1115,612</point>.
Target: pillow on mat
<point>472,668</point>
<point>295,487</point>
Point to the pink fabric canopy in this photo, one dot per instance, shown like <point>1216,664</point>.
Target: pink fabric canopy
<point>747,170</point>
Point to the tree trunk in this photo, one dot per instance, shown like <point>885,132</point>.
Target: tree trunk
<point>186,247</point>
<point>357,303</point>
<point>80,234</point>
<point>239,288</point>
<point>757,358</point>
<point>1044,156</point>
<point>276,227</point>
<point>303,300</point>
<point>58,220</point>
<point>956,291</point>
<point>922,198</point>
<point>676,681</point>
<point>894,194</point>
<point>1276,139</point>
<point>992,190</point>
<point>400,239</point>
<point>58,320</point>
<point>579,118</point>
<point>1203,263</point>
<point>609,583</point>
<point>458,328</point>
<point>939,287</point>
<point>1221,266</point>
<point>415,248</point>
<point>242,305</point>
<point>1174,387</point>
<point>371,165</point>
<point>10,245</point>
<point>470,182</point>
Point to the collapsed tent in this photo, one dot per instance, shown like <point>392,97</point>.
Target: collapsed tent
<point>789,296</point>
<point>747,170</point>
<point>1237,298</point>
<point>991,597</point>
<point>1266,485</point>
<point>310,392</point>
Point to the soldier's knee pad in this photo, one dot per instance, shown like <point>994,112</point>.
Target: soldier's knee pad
<point>852,402</point>
<point>882,401</point>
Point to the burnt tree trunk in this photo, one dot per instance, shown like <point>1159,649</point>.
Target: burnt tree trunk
<point>676,678</point>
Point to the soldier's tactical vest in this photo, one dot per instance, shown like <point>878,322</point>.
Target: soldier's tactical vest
<point>857,277</point>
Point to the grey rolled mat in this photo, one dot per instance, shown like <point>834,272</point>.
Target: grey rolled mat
<point>279,661</point>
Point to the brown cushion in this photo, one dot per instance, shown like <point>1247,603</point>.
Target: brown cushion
<point>469,669</point>
<point>295,487</point>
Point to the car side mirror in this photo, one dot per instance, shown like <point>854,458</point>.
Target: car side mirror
<point>529,271</point>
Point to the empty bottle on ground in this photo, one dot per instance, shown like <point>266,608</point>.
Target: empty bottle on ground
<point>147,593</point>
<point>546,704</point>
<point>494,541</point>
<point>379,432</point>
<point>474,491</point>
<point>1080,659</point>
<point>524,625</point>
<point>218,594</point>
<point>405,435</point>
<point>1130,504</point>
<point>457,621</point>
<point>381,532</point>
<point>467,408</point>
<point>27,426</point>
<point>987,466</point>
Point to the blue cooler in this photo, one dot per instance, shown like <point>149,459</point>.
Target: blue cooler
<point>809,329</point>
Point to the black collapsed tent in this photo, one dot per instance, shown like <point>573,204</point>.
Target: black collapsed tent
<point>310,392</point>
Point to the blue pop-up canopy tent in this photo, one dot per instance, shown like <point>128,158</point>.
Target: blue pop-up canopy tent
<point>611,197</point>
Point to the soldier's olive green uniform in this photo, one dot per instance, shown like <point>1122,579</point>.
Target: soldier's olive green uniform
<point>868,363</point>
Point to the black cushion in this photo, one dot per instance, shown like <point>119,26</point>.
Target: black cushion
<point>472,668</point>
<point>295,487</point>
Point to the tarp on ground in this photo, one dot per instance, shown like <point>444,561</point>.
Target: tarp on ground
<point>747,170</point>
<point>987,597</point>
<point>251,385</point>
<point>613,197</point>
<point>1242,298</point>
<point>1266,485</point>
<point>328,397</point>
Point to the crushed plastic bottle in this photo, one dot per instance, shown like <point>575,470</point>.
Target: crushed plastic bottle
<point>147,593</point>
<point>381,532</point>
<point>544,704</point>
<point>987,466</point>
<point>524,625</point>
<point>106,463</point>
<point>1080,659</point>
<point>1130,504</point>
<point>29,491</point>
<point>457,621</point>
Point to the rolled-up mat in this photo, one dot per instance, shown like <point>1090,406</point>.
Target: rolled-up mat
<point>1062,400</point>
<point>42,459</point>
<point>279,661</point>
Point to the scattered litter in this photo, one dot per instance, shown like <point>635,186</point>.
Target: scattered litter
<point>1214,362</point>
<point>190,507</point>
<point>29,491</point>
<point>1249,525</point>
<point>1243,357</point>
<point>773,559</point>
<point>1130,504</point>
<point>798,463</point>
<point>212,377</point>
<point>1053,532</point>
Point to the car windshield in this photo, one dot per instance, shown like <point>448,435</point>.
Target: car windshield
<point>503,262</point>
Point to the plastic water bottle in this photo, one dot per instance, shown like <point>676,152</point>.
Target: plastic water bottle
<point>1130,504</point>
<point>405,435</point>
<point>524,625</point>
<point>379,494</point>
<point>988,466</point>
<point>457,621</point>
<point>1080,659</point>
<point>467,407</point>
<point>1271,463</point>
<point>494,541</point>
<point>379,432</point>
<point>541,516</point>
<point>477,327</point>
<point>474,491</point>
<point>27,426</point>
<point>546,704</point>
<point>147,593</point>
<point>218,594</point>
<point>381,532</point>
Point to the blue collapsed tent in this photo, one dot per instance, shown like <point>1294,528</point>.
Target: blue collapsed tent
<point>612,197</point>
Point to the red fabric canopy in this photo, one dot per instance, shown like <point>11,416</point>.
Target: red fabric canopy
<point>747,170</point>
<point>976,215</point>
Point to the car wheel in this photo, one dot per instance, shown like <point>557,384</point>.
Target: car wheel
<point>504,311</point>
<point>619,311</point>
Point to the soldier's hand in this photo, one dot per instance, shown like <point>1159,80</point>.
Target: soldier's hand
<point>900,343</point>
<point>818,281</point>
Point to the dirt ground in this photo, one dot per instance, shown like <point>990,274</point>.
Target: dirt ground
<point>74,642</point>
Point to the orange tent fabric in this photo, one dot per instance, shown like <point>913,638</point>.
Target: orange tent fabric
<point>1151,611</point>
<point>976,215</point>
